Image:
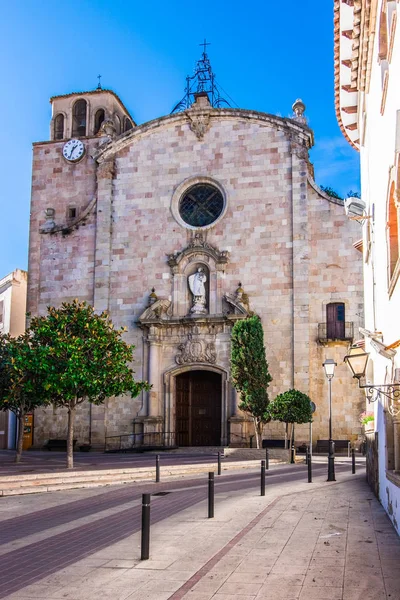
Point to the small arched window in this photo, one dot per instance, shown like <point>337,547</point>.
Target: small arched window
<point>79,119</point>
<point>98,120</point>
<point>393,232</point>
<point>128,124</point>
<point>117,124</point>
<point>335,321</point>
<point>59,127</point>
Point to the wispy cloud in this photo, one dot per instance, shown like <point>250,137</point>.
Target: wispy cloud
<point>336,164</point>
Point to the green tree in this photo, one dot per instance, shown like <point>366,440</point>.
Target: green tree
<point>351,194</point>
<point>331,192</point>
<point>249,369</point>
<point>334,194</point>
<point>83,358</point>
<point>291,407</point>
<point>22,385</point>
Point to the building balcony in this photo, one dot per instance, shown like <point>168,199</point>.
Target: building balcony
<point>339,331</point>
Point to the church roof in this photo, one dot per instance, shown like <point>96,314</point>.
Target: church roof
<point>90,93</point>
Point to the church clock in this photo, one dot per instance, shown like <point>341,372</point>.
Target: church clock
<point>73,150</point>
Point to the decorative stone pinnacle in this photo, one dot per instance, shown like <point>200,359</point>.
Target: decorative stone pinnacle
<point>153,296</point>
<point>239,291</point>
<point>298,109</point>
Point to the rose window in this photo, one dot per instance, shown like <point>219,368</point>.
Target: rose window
<point>201,205</point>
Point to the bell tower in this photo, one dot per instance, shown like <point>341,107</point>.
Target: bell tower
<point>88,114</point>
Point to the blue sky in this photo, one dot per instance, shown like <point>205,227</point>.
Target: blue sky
<point>265,55</point>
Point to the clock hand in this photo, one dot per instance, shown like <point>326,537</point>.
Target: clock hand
<point>73,148</point>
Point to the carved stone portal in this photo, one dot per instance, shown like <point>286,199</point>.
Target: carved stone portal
<point>196,350</point>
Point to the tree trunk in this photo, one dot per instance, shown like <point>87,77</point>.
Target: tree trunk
<point>256,431</point>
<point>70,437</point>
<point>21,418</point>
<point>258,428</point>
<point>292,444</point>
<point>286,435</point>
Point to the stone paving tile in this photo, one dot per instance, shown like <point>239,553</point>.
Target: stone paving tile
<point>210,583</point>
<point>321,593</point>
<point>358,594</point>
<point>198,596</point>
<point>238,577</point>
<point>279,592</point>
<point>244,589</point>
<point>229,597</point>
<point>146,595</point>
<point>290,579</point>
<point>37,590</point>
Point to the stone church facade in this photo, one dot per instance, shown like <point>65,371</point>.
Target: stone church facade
<point>179,227</point>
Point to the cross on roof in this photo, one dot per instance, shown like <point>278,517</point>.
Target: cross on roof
<point>99,84</point>
<point>205,44</point>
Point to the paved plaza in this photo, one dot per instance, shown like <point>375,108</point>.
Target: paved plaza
<point>301,541</point>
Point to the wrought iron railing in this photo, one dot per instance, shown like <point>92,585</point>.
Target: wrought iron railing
<point>135,441</point>
<point>334,332</point>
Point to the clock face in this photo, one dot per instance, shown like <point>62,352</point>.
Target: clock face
<point>73,150</point>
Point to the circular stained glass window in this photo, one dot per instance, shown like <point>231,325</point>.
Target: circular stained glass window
<point>201,205</point>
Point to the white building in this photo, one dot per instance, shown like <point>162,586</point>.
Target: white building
<point>367,78</point>
<point>12,320</point>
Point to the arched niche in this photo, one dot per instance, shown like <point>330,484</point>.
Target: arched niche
<point>198,254</point>
<point>191,269</point>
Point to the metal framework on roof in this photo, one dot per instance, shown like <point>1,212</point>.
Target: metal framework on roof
<point>203,80</point>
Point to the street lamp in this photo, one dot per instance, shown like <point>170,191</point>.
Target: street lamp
<point>357,360</point>
<point>329,367</point>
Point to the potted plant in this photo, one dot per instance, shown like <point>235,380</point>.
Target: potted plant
<point>367,419</point>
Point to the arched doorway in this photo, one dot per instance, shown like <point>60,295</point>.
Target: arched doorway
<point>198,408</point>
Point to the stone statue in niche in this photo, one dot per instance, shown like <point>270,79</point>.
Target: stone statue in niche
<point>197,287</point>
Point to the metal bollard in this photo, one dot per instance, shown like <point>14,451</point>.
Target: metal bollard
<point>210,495</point>
<point>292,455</point>
<point>353,461</point>
<point>145,546</point>
<point>266,459</point>
<point>219,463</point>
<point>263,478</point>
<point>157,468</point>
<point>309,468</point>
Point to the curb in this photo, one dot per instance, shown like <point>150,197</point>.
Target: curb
<point>50,482</point>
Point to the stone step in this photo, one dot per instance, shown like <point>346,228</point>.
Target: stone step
<point>198,450</point>
<point>48,482</point>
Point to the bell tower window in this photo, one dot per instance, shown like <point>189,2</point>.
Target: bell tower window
<point>59,127</point>
<point>98,120</point>
<point>79,119</point>
<point>127,124</point>
<point>118,124</point>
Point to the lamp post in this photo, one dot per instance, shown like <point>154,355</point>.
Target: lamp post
<point>329,367</point>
